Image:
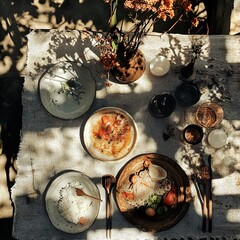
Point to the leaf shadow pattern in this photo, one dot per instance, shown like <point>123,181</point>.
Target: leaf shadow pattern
<point>17,20</point>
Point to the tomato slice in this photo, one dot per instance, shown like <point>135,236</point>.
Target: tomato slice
<point>103,134</point>
<point>170,198</point>
<point>128,195</point>
<point>116,123</point>
<point>105,119</point>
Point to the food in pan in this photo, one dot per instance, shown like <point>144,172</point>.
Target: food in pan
<point>150,190</point>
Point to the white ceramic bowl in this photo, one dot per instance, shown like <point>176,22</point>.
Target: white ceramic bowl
<point>109,149</point>
<point>217,138</point>
<point>159,66</point>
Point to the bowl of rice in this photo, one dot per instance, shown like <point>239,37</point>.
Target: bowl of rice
<point>66,210</point>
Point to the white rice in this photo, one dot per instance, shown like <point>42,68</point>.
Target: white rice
<point>73,207</point>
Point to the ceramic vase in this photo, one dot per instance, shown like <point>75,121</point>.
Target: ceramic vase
<point>187,72</point>
<point>130,70</point>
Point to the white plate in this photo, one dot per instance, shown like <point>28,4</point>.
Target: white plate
<point>110,150</point>
<point>70,103</point>
<point>52,197</point>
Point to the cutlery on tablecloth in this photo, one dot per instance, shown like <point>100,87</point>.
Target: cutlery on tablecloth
<point>206,177</point>
<point>199,191</point>
<point>210,195</point>
<point>203,200</point>
<point>204,208</point>
<point>108,182</point>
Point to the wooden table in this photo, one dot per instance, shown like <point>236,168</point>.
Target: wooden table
<point>50,145</point>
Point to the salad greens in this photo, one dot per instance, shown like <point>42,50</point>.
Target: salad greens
<point>155,202</point>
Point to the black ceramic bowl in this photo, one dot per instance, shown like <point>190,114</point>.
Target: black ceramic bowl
<point>187,94</point>
<point>162,105</point>
<point>193,134</point>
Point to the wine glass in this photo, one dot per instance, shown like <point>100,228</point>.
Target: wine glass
<point>209,114</point>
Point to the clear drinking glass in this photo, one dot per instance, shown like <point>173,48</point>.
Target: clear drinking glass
<point>209,114</point>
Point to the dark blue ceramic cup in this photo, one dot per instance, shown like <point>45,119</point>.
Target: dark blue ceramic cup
<point>162,105</point>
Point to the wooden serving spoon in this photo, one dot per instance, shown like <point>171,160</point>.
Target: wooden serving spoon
<point>80,192</point>
<point>108,182</point>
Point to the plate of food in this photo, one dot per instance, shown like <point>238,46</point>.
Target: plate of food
<point>67,90</point>
<point>110,134</point>
<point>152,192</point>
<point>68,210</point>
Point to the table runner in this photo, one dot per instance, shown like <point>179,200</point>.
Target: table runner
<point>50,145</point>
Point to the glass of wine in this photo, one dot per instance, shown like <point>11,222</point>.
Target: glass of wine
<point>209,114</point>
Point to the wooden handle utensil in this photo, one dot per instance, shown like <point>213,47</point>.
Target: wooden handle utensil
<point>210,195</point>
<point>108,181</point>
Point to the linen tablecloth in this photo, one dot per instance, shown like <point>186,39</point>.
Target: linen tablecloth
<point>50,145</point>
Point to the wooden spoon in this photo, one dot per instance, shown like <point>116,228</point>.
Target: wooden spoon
<point>108,182</point>
<point>204,174</point>
<point>80,192</point>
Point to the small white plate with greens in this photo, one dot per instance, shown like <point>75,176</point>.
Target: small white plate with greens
<point>67,90</point>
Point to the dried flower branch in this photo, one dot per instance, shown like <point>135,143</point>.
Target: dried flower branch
<point>120,45</point>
